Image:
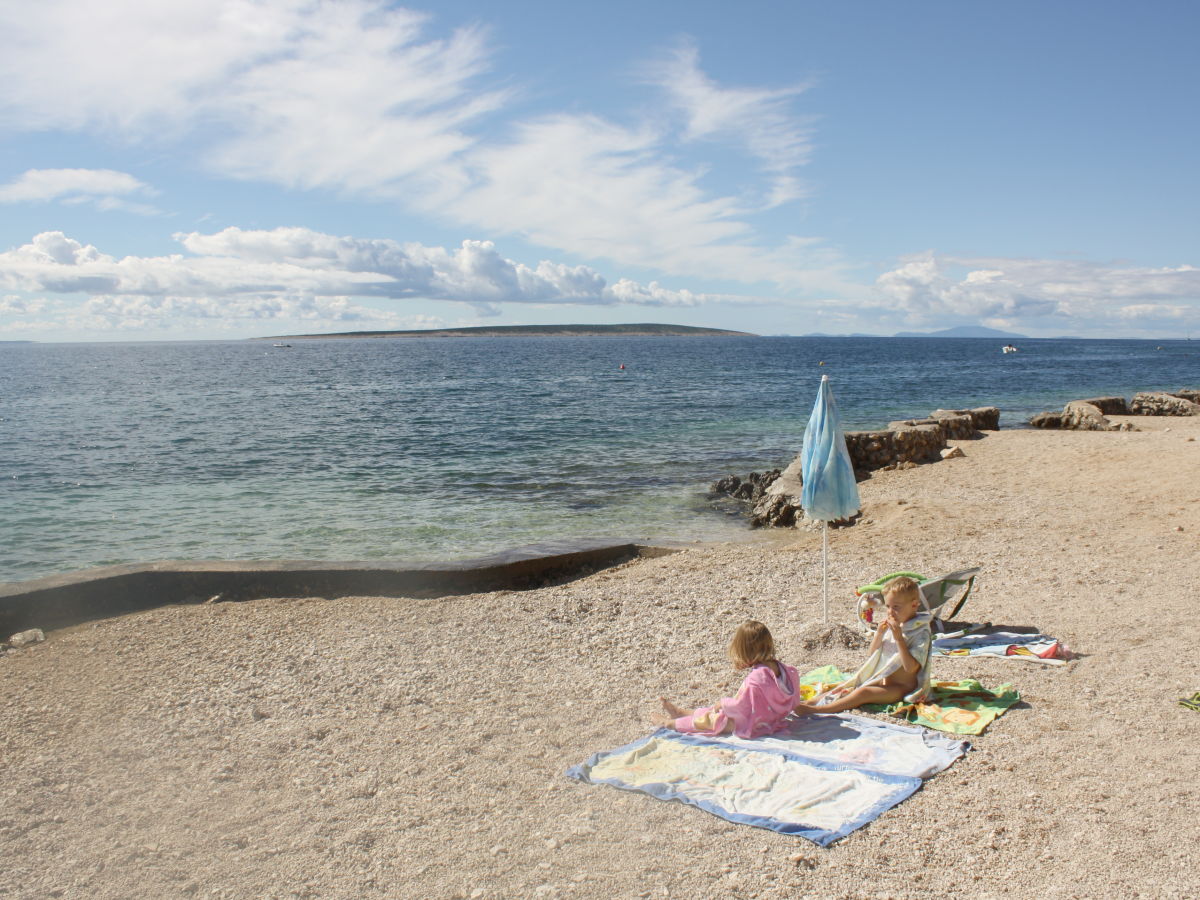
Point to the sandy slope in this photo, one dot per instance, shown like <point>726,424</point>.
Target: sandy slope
<point>415,748</point>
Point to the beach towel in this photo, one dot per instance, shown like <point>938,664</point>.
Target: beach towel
<point>820,778</point>
<point>871,743</point>
<point>1192,702</point>
<point>768,788</point>
<point>957,707</point>
<point>1039,648</point>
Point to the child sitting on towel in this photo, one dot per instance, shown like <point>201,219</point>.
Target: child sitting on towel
<point>897,665</point>
<point>766,696</point>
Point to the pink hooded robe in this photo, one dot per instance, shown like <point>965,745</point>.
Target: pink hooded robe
<point>761,705</point>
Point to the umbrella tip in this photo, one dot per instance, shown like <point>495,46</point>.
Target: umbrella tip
<point>824,377</point>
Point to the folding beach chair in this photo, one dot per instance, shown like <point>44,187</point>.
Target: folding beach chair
<point>936,593</point>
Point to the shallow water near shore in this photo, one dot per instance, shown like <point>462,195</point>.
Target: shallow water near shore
<point>413,450</point>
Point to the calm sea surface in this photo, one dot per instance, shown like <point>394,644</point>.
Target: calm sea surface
<point>429,449</point>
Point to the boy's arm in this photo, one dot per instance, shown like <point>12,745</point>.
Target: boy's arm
<point>909,662</point>
<point>877,641</point>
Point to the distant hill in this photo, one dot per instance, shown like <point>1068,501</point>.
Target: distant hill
<point>963,331</point>
<point>638,330</point>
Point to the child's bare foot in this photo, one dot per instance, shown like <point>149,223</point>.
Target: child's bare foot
<point>662,720</point>
<point>671,709</point>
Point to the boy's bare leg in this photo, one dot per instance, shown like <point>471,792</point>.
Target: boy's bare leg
<point>860,696</point>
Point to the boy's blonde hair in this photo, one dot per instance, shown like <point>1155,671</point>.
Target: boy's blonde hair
<point>752,643</point>
<point>903,586</point>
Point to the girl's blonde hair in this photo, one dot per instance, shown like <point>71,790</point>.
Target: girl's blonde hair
<point>752,643</point>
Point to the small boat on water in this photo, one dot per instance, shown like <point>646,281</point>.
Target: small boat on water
<point>281,345</point>
<point>1008,348</point>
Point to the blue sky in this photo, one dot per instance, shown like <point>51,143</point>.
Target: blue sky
<point>238,168</point>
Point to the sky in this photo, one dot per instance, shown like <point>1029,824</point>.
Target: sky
<point>216,169</point>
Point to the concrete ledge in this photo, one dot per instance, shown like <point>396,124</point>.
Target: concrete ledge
<point>96,593</point>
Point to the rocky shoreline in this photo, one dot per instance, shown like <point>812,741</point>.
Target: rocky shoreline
<point>772,498</point>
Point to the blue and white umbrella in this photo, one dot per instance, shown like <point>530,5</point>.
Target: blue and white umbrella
<point>829,492</point>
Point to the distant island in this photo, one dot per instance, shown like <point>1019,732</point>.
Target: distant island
<point>639,330</point>
<point>963,331</point>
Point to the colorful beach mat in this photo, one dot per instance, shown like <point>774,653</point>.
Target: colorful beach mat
<point>956,707</point>
<point>1039,648</point>
<point>821,779</point>
<point>1192,702</point>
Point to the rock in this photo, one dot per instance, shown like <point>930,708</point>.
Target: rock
<point>952,453</point>
<point>1109,406</point>
<point>1157,403</point>
<point>750,489</point>
<point>778,511</point>
<point>1079,415</point>
<point>1083,416</point>
<point>1188,394</point>
<point>25,638</point>
<point>1047,420</point>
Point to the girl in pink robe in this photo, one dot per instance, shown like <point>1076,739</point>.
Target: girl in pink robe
<point>768,694</point>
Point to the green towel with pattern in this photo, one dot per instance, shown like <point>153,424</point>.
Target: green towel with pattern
<point>958,707</point>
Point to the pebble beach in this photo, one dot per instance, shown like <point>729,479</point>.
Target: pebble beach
<point>415,747</point>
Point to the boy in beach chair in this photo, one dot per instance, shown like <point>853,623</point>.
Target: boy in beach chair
<point>897,665</point>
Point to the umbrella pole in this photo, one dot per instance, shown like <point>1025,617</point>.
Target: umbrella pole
<point>825,571</point>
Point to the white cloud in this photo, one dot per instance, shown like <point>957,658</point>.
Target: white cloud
<point>759,119</point>
<point>356,97</point>
<point>13,305</point>
<point>926,286</point>
<point>307,93</point>
<point>104,188</point>
<point>297,273</point>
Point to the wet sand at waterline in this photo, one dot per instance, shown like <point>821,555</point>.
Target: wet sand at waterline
<point>371,747</point>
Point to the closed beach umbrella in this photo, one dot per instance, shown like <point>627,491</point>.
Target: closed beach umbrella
<point>829,491</point>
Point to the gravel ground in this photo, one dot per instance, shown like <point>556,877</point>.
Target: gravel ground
<point>369,747</point>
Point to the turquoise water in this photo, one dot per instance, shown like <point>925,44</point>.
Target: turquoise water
<point>413,450</point>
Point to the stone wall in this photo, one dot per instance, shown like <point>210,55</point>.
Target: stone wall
<point>871,449</point>
<point>917,441</point>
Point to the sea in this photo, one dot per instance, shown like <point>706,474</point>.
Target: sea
<point>419,450</point>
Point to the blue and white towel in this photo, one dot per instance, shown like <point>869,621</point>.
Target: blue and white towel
<point>821,779</point>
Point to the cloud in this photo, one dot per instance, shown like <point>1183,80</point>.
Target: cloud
<point>13,305</point>
<point>926,286</point>
<point>299,273</point>
<point>104,188</point>
<point>251,79</point>
<point>757,119</point>
<point>359,98</point>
